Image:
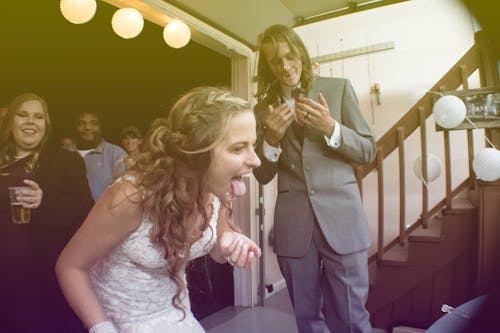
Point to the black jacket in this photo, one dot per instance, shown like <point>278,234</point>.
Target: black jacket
<point>30,297</point>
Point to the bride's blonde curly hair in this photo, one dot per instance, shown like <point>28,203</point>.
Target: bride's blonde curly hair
<point>172,170</point>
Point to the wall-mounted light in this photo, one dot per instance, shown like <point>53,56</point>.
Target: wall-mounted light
<point>127,22</point>
<point>176,34</point>
<point>78,11</point>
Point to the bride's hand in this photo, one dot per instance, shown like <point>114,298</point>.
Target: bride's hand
<point>238,249</point>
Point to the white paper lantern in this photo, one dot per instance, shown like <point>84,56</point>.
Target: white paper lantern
<point>449,111</point>
<point>127,22</point>
<point>433,168</point>
<point>486,164</point>
<point>78,11</point>
<point>176,34</point>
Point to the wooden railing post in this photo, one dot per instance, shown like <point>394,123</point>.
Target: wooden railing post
<point>465,78</point>
<point>447,167</point>
<point>402,186</point>
<point>380,186</point>
<point>423,149</point>
<point>488,67</point>
<point>470,152</point>
<point>488,75</point>
<point>470,138</point>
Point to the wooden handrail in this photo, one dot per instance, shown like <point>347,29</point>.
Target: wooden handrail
<point>452,80</point>
<point>474,59</point>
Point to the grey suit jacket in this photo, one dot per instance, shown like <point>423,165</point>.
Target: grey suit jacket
<point>316,181</point>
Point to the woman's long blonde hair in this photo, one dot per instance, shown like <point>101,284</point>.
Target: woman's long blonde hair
<point>7,143</point>
<point>173,167</point>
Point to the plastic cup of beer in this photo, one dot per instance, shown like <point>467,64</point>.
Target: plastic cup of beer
<point>20,215</point>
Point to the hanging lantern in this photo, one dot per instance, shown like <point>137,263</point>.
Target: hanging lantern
<point>449,111</point>
<point>433,168</point>
<point>486,164</point>
<point>78,11</point>
<point>127,22</point>
<point>176,34</point>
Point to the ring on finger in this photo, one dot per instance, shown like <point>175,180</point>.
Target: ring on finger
<point>307,115</point>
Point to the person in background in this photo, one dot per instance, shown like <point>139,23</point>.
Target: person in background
<point>59,198</point>
<point>131,139</point>
<point>104,160</point>
<point>124,270</point>
<point>310,130</point>
<point>67,143</point>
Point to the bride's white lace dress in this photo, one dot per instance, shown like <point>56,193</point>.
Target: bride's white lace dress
<point>135,290</point>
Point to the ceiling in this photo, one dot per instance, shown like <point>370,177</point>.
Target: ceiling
<point>233,26</point>
<point>78,67</point>
<point>244,19</point>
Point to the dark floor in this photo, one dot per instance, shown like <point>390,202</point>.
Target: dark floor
<point>275,316</point>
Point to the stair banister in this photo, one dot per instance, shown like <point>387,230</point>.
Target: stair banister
<point>395,137</point>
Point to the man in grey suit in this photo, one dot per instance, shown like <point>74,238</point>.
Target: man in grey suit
<point>309,131</point>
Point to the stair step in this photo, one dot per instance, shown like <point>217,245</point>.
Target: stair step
<point>460,211</point>
<point>431,234</point>
<point>460,205</point>
<point>396,256</point>
<point>463,198</point>
<point>456,234</point>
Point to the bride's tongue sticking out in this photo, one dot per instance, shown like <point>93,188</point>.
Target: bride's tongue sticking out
<point>238,187</point>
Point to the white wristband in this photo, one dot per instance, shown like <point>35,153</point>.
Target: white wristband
<point>104,327</point>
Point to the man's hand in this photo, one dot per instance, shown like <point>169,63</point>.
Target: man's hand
<point>314,114</point>
<point>277,121</point>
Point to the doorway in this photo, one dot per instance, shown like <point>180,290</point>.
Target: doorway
<point>127,82</point>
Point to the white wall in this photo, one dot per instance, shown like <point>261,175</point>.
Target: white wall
<point>430,36</point>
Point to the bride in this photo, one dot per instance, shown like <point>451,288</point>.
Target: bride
<point>124,269</point>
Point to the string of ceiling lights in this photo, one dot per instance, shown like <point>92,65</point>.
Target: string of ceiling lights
<point>126,22</point>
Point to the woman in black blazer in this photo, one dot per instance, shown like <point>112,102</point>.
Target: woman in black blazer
<point>59,198</point>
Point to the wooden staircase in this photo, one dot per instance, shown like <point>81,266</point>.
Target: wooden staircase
<point>435,260</point>
<point>435,266</point>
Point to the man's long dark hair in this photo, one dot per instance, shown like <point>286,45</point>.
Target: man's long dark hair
<point>276,34</point>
